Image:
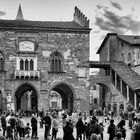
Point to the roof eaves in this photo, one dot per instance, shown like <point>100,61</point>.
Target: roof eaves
<point>102,44</point>
<point>119,37</point>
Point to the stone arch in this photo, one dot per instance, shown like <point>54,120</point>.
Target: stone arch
<point>67,94</point>
<point>26,93</point>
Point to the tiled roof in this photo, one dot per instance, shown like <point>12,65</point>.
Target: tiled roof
<point>131,39</point>
<point>130,77</point>
<point>26,24</point>
<point>134,40</point>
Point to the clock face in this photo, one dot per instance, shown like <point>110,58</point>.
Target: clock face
<point>26,46</point>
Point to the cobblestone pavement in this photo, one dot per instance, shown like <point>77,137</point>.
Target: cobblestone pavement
<point>60,131</point>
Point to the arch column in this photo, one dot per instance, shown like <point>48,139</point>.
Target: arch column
<point>127,93</point>
<point>135,100</point>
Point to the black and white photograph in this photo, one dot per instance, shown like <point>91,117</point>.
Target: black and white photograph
<point>69,70</point>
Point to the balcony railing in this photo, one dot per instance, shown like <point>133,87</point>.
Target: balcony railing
<point>19,74</point>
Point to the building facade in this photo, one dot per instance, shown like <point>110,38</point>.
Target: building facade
<point>38,57</point>
<point>119,77</point>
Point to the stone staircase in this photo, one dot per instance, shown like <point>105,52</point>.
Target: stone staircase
<point>129,76</point>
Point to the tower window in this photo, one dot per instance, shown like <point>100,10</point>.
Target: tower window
<point>31,64</point>
<point>21,64</point>
<point>129,57</point>
<point>26,64</point>
<point>56,62</point>
<point>1,62</point>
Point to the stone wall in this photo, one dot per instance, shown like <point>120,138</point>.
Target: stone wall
<point>74,48</point>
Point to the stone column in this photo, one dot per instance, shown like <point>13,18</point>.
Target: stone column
<point>127,93</point>
<point>29,99</point>
<point>121,85</point>
<point>115,80</point>
<point>135,100</point>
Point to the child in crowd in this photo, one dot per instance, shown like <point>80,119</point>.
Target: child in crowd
<point>27,129</point>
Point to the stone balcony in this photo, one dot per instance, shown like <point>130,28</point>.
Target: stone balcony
<point>19,74</point>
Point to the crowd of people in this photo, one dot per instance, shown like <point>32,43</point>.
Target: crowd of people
<point>13,126</point>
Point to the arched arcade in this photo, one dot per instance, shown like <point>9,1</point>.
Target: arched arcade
<point>67,95</point>
<point>26,98</point>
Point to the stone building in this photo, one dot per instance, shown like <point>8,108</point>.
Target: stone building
<point>119,77</point>
<point>38,57</point>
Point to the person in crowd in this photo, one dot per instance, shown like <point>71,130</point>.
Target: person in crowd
<point>95,137</point>
<point>47,122</point>
<point>133,117</point>
<point>118,136</point>
<point>102,130</point>
<point>136,128</point>
<point>27,130</point>
<point>2,138</point>
<point>111,130</point>
<point>93,127</point>
<point>3,123</point>
<point>34,126</point>
<point>121,128</point>
<point>22,126</point>
<point>64,119</point>
<point>80,127</point>
<point>68,131</point>
<point>55,124</point>
<point>9,134</point>
<point>132,135</point>
<point>18,126</point>
<point>12,122</point>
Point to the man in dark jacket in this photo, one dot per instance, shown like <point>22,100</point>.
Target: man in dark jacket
<point>112,129</point>
<point>47,122</point>
<point>93,127</point>
<point>34,126</point>
<point>68,131</point>
<point>80,127</point>
<point>3,123</point>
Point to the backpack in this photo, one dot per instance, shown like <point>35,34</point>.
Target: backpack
<point>94,128</point>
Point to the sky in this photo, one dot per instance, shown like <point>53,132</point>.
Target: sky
<point>106,16</point>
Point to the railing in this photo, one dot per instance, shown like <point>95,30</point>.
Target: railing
<point>100,78</point>
<point>26,74</point>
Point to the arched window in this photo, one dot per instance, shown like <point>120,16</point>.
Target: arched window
<point>115,108</point>
<point>21,64</point>
<point>1,62</point>
<point>109,107</point>
<point>26,65</point>
<point>122,57</point>
<point>121,107</point>
<point>31,64</point>
<point>56,62</point>
<point>138,55</point>
<point>129,57</point>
